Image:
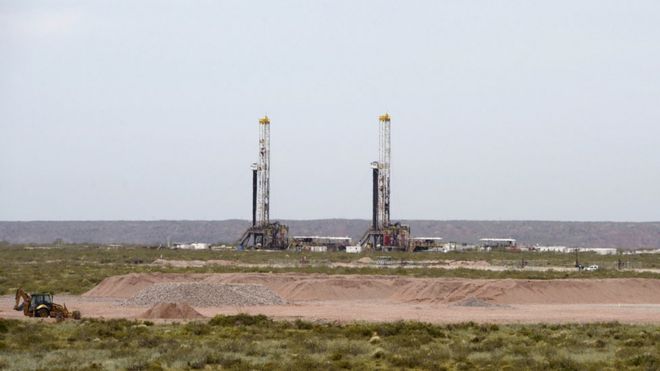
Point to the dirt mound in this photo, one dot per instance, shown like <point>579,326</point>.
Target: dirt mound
<point>206,295</point>
<point>582,291</point>
<point>450,290</point>
<point>429,290</point>
<point>128,285</point>
<point>316,286</point>
<point>171,311</point>
<point>320,287</point>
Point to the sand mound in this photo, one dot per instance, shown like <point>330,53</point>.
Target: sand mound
<point>316,286</point>
<point>206,295</point>
<point>171,311</point>
<point>319,287</point>
<point>127,285</point>
<point>450,290</point>
<point>429,290</point>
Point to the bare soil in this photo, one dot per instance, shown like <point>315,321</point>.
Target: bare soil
<point>390,298</point>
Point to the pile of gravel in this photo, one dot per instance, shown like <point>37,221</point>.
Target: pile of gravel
<point>206,294</point>
<point>476,302</point>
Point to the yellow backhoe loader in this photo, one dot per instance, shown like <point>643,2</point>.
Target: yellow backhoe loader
<point>41,305</point>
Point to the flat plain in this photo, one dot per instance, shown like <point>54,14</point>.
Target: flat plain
<point>331,310</point>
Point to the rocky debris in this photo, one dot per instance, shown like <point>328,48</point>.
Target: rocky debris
<point>171,311</point>
<point>200,294</point>
<point>477,303</point>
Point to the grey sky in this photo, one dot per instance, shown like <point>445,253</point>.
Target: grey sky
<point>500,109</point>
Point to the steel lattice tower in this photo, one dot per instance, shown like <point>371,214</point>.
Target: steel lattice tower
<point>383,235</point>
<point>263,234</point>
<point>384,168</point>
<point>263,173</point>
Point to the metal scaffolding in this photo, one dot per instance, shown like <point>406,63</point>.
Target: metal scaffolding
<point>263,233</point>
<point>384,168</point>
<point>383,234</point>
<point>263,173</point>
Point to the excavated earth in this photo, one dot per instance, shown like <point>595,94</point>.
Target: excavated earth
<point>375,298</point>
<point>203,294</point>
<point>171,311</point>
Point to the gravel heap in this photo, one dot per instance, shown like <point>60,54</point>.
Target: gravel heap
<point>199,294</point>
<point>476,302</point>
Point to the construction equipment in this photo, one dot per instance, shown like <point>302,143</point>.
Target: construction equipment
<point>41,305</point>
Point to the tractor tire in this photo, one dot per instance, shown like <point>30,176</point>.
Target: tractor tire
<point>43,313</point>
<point>76,314</point>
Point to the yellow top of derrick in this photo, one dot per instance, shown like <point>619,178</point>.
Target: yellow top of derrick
<point>264,120</point>
<point>384,118</point>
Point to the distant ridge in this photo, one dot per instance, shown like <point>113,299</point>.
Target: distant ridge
<point>584,234</point>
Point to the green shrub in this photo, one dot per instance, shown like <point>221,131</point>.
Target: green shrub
<point>4,326</point>
<point>240,319</point>
<point>257,342</point>
<point>197,328</point>
<point>646,361</point>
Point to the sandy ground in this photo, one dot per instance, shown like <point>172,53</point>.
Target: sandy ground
<point>348,298</point>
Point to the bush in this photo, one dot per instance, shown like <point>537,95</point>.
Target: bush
<point>240,319</point>
<point>197,328</point>
<point>257,342</point>
<point>4,326</point>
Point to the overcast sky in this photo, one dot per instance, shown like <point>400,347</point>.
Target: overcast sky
<point>545,110</point>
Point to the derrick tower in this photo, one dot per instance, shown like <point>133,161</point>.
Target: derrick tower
<point>384,166</point>
<point>383,235</point>
<point>263,172</point>
<point>263,233</point>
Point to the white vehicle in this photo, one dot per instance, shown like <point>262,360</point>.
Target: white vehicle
<point>591,268</point>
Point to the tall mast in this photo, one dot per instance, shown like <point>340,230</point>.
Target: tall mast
<point>383,235</point>
<point>263,234</point>
<point>263,169</point>
<point>384,167</point>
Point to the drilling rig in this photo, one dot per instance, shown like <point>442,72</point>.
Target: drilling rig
<point>383,234</point>
<point>263,234</point>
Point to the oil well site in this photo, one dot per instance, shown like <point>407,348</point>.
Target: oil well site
<point>284,281</point>
<point>383,235</point>
<point>386,275</point>
<point>329,185</point>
